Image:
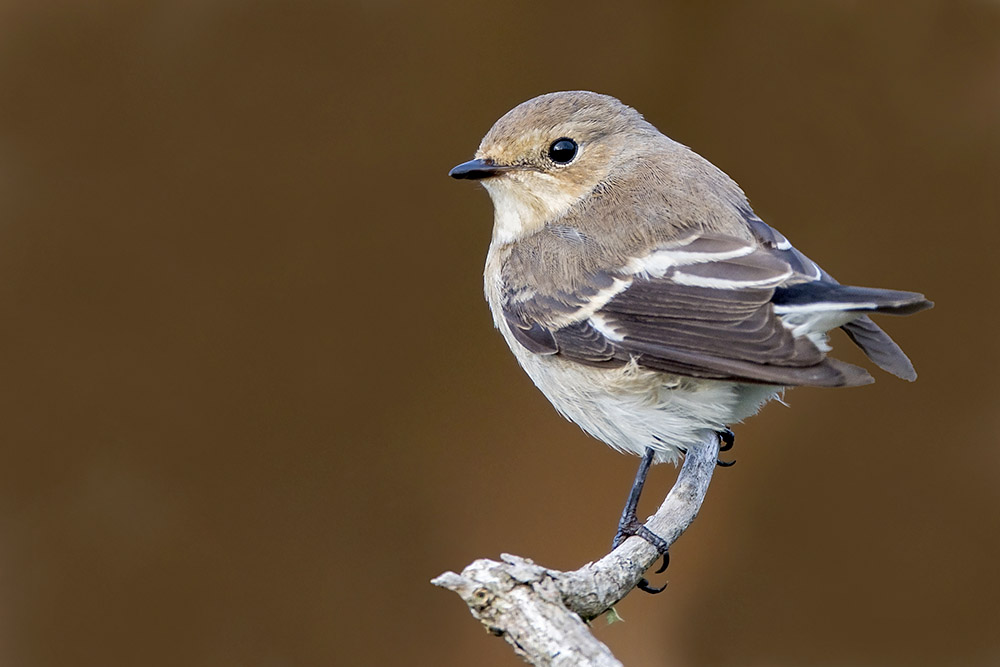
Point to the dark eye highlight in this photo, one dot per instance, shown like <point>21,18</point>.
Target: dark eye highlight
<point>562,151</point>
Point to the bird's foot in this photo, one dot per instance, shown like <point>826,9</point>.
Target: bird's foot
<point>727,437</point>
<point>629,526</point>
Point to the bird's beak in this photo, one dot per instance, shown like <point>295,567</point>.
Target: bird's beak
<point>478,169</point>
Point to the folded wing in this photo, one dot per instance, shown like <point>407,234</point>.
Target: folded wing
<point>701,307</point>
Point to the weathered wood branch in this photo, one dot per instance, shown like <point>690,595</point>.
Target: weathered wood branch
<point>542,612</point>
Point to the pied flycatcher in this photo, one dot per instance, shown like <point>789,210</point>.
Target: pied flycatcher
<point>640,292</point>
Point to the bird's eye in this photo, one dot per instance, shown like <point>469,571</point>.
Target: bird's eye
<point>562,151</point>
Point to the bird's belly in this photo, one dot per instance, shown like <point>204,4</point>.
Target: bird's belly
<point>631,408</point>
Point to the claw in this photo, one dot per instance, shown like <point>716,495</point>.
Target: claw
<point>644,586</point>
<point>666,563</point>
<point>728,438</point>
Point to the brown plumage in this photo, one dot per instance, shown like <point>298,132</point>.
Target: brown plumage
<point>632,279</point>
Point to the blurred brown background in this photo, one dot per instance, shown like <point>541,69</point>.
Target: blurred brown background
<point>250,396</point>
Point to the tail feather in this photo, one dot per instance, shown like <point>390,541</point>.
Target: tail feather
<point>823,300</point>
<point>881,349</point>
<point>820,295</point>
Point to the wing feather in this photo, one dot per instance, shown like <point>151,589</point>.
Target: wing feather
<point>700,308</point>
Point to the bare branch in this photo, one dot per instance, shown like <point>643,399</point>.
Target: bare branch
<point>541,612</point>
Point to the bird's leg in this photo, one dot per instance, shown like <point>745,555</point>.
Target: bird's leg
<point>728,438</point>
<point>628,524</point>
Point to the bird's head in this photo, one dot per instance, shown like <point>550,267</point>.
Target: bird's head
<point>545,155</point>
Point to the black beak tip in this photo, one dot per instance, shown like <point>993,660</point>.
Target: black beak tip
<point>474,170</point>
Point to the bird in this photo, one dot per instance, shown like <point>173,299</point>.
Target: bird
<point>642,295</point>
